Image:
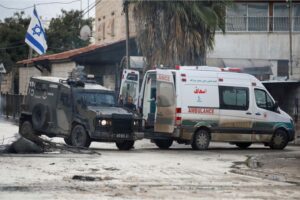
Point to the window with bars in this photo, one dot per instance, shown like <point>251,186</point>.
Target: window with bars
<point>255,17</point>
<point>247,17</point>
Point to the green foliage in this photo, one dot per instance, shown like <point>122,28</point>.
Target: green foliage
<point>12,35</point>
<point>63,32</point>
<point>178,32</point>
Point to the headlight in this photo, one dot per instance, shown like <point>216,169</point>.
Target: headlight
<point>103,122</point>
<point>135,123</point>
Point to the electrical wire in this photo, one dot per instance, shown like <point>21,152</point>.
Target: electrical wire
<point>91,7</point>
<point>37,4</point>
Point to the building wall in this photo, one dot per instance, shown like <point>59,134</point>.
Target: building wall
<point>24,75</point>
<point>104,74</point>
<point>7,83</point>
<point>266,46</point>
<point>62,69</point>
<point>110,22</point>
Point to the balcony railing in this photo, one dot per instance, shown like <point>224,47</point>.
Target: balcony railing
<point>261,24</point>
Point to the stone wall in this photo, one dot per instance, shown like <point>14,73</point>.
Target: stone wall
<point>7,83</point>
<point>24,75</point>
<point>110,22</point>
<point>62,69</point>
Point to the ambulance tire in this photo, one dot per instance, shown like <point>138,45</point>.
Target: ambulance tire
<point>125,145</point>
<point>279,140</point>
<point>243,145</point>
<point>79,137</point>
<point>163,144</point>
<point>201,140</point>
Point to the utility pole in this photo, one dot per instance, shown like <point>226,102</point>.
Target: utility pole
<point>290,5</point>
<point>126,5</point>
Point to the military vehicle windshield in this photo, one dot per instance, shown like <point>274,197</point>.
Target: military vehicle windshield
<point>96,98</point>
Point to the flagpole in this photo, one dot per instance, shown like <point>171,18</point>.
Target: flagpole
<point>27,66</point>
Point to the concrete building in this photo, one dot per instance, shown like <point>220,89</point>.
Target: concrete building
<point>110,22</point>
<point>101,60</point>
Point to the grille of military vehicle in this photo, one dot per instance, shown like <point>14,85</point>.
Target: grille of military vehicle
<point>79,111</point>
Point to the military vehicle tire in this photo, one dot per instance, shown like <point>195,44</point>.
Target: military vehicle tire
<point>243,145</point>
<point>201,140</point>
<point>39,116</point>
<point>79,137</point>
<point>163,144</point>
<point>279,140</point>
<point>125,145</point>
<point>68,140</point>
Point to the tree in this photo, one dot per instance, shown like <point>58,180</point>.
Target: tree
<point>177,32</point>
<point>12,43</point>
<point>63,32</point>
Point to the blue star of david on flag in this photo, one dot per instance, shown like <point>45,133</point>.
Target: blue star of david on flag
<point>36,36</point>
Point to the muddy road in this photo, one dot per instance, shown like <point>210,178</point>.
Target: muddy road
<point>222,172</point>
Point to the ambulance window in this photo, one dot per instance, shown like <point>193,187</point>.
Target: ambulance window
<point>234,98</point>
<point>166,95</point>
<point>132,77</point>
<point>263,100</point>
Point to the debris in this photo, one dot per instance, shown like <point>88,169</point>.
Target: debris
<point>23,145</point>
<point>91,178</point>
<point>31,143</point>
<point>111,169</point>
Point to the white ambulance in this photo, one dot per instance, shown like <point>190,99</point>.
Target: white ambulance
<point>198,104</point>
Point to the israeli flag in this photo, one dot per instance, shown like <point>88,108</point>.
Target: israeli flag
<point>36,36</point>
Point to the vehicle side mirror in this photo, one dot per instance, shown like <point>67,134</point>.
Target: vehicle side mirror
<point>276,106</point>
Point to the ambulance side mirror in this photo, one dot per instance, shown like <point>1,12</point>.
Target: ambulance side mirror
<point>276,106</point>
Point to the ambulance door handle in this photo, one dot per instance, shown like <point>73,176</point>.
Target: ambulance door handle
<point>248,113</point>
<point>257,113</point>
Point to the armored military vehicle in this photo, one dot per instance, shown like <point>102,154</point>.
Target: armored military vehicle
<point>79,111</point>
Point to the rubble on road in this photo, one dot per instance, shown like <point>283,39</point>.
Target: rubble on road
<point>36,144</point>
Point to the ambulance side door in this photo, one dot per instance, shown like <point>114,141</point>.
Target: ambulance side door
<point>165,102</point>
<point>236,115</point>
<point>129,86</point>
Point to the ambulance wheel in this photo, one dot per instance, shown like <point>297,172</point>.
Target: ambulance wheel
<point>163,144</point>
<point>79,137</point>
<point>68,140</point>
<point>125,145</point>
<point>201,140</point>
<point>279,140</point>
<point>243,145</point>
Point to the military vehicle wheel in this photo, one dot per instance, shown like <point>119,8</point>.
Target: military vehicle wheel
<point>243,145</point>
<point>79,137</point>
<point>125,145</point>
<point>201,140</point>
<point>68,141</point>
<point>279,140</point>
<point>163,144</point>
<point>26,129</point>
